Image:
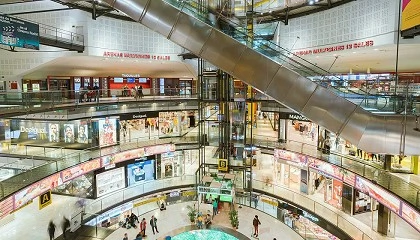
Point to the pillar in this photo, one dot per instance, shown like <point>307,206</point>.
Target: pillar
<point>383,218</point>
<point>387,162</point>
<point>416,165</point>
<point>282,133</point>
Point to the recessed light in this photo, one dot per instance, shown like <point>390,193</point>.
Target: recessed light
<point>354,52</point>
<point>375,49</point>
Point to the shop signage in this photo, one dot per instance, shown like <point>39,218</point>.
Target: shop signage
<point>222,165</point>
<point>293,116</point>
<point>150,200</point>
<point>376,192</point>
<point>137,55</point>
<point>336,48</point>
<point>130,75</point>
<point>111,213</point>
<point>175,194</point>
<point>189,193</point>
<point>133,116</point>
<point>270,202</point>
<point>18,33</point>
<point>45,199</point>
<point>310,216</point>
<point>33,130</point>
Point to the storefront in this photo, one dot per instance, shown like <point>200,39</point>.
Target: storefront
<point>291,170</point>
<point>81,186</point>
<point>298,128</point>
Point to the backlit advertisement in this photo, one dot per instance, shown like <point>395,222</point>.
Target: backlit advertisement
<point>83,134</point>
<point>54,132</point>
<point>349,177</point>
<point>122,156</point>
<point>158,149</point>
<point>410,16</point>
<point>411,216</point>
<point>37,189</point>
<point>376,192</point>
<point>69,133</point>
<point>301,159</point>
<point>139,172</point>
<point>80,169</point>
<point>18,33</point>
<point>107,131</point>
<point>110,181</point>
<point>326,168</point>
<point>6,207</point>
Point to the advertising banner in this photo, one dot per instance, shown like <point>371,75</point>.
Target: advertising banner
<point>376,192</point>
<point>80,169</point>
<point>300,159</point>
<point>158,149</point>
<point>122,156</point>
<point>6,207</point>
<point>107,131</point>
<point>410,16</point>
<point>411,216</point>
<point>140,172</point>
<point>37,189</point>
<point>18,33</point>
<point>326,168</point>
<point>110,181</point>
<point>349,178</point>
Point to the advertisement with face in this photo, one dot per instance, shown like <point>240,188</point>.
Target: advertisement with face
<point>54,132</point>
<point>69,133</point>
<point>376,192</point>
<point>140,171</point>
<point>107,132</point>
<point>82,134</point>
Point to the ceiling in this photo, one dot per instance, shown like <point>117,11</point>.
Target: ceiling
<point>103,67</point>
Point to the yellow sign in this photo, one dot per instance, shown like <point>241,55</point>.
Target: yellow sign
<point>410,16</point>
<point>271,202</point>
<point>222,165</point>
<point>155,199</point>
<point>45,200</point>
<point>189,193</point>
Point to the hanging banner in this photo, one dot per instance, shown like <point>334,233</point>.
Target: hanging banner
<point>18,33</point>
<point>410,16</point>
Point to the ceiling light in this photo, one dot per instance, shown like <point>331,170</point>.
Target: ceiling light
<point>375,49</point>
<point>354,52</point>
<point>311,2</point>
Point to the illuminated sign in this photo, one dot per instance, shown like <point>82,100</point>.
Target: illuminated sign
<point>336,48</point>
<point>137,55</point>
<point>45,199</point>
<point>222,165</point>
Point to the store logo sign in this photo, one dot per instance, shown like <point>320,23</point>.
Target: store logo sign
<point>310,216</point>
<point>32,130</point>
<point>298,117</point>
<point>130,75</point>
<point>139,116</point>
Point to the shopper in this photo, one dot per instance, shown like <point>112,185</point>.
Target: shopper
<point>140,91</point>
<point>256,222</point>
<point>133,220</point>
<point>215,205</point>
<point>65,226</point>
<point>153,224</point>
<point>96,89</point>
<point>125,236</point>
<point>51,230</point>
<point>143,227</point>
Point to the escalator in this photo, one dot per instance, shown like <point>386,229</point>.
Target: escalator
<point>276,72</point>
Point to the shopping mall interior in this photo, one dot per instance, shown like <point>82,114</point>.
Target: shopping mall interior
<point>209,119</point>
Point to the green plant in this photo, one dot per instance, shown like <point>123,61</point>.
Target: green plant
<point>234,218</point>
<point>192,212</point>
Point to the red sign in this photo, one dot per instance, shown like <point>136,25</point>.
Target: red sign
<point>342,47</point>
<point>411,216</point>
<point>6,207</point>
<point>80,169</point>
<point>137,56</point>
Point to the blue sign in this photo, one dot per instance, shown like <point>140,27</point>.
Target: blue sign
<point>18,33</point>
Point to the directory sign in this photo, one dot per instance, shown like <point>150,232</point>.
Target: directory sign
<point>18,33</point>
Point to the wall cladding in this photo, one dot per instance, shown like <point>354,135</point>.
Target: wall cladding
<point>352,21</point>
<point>104,34</point>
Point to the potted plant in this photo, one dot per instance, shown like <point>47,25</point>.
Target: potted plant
<point>234,219</point>
<point>192,212</point>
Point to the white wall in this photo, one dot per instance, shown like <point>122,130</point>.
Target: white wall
<point>104,34</point>
<point>354,21</point>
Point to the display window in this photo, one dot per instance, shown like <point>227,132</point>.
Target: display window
<point>81,186</point>
<point>401,164</point>
<point>140,172</point>
<point>363,203</point>
<point>110,181</point>
<point>329,188</point>
<point>71,134</point>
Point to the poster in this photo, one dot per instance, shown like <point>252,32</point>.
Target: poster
<point>349,177</point>
<point>107,132</point>
<point>18,33</point>
<point>140,172</point>
<point>410,16</point>
<point>300,159</point>
<point>37,189</point>
<point>110,181</point>
<point>158,149</point>
<point>69,133</point>
<point>303,181</point>
<point>82,134</point>
<point>54,132</point>
<point>326,168</point>
<point>376,192</point>
<point>80,169</point>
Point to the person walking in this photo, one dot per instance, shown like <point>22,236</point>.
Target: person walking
<point>143,227</point>
<point>125,236</point>
<point>140,91</point>
<point>215,205</point>
<point>153,221</point>
<point>51,230</point>
<point>256,222</point>
<point>65,226</point>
